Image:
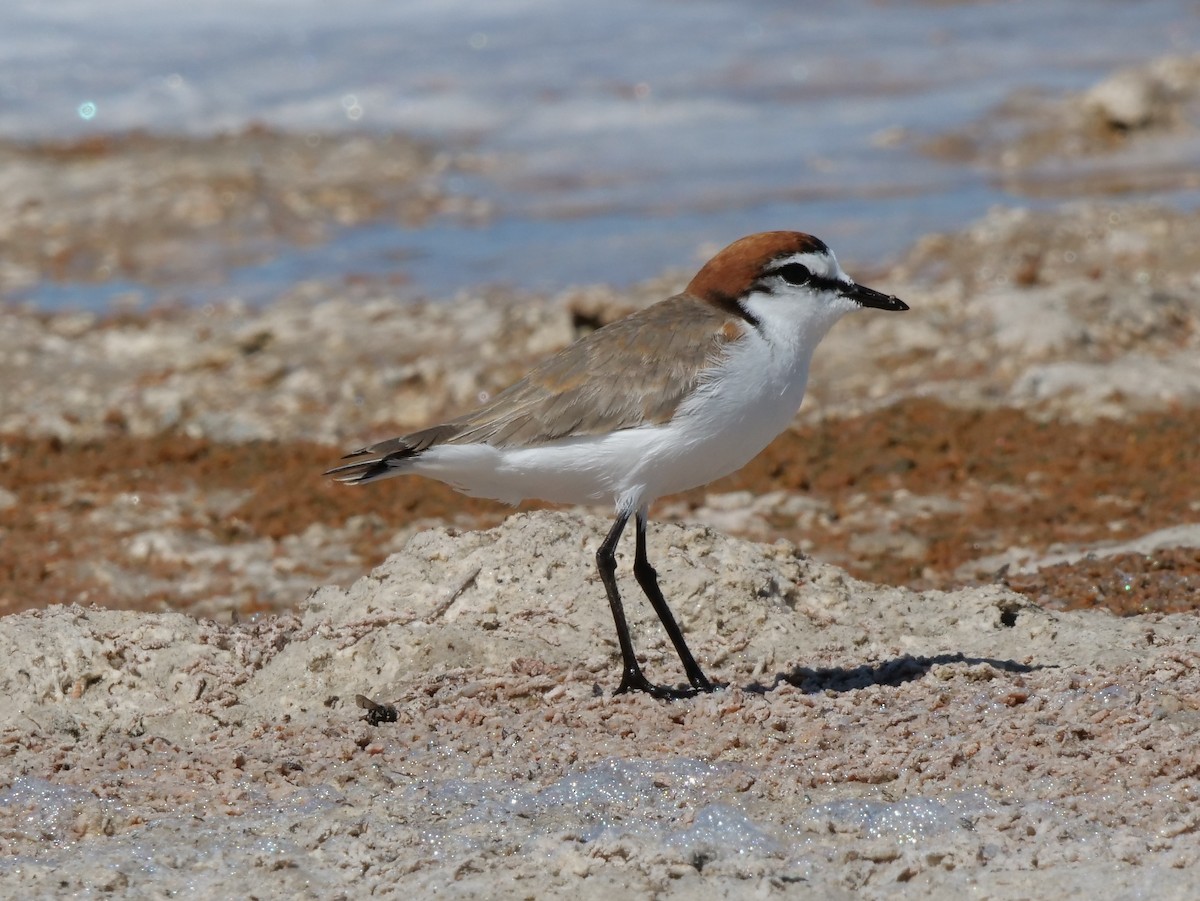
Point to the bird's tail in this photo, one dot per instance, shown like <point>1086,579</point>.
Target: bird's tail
<point>362,471</point>
<point>390,458</point>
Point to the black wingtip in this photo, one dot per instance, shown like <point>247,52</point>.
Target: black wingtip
<point>357,473</point>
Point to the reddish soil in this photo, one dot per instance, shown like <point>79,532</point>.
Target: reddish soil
<point>1021,482</point>
<point>1014,482</point>
<point>1167,581</point>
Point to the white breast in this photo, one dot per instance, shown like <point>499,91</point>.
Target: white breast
<point>736,412</point>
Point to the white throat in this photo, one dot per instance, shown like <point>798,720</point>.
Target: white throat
<point>795,326</point>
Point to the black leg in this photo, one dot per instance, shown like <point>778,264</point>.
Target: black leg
<point>606,561</point>
<point>648,579</point>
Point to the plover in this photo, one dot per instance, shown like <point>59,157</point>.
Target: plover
<point>669,398</point>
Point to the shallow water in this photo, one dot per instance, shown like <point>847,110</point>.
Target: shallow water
<point>628,133</point>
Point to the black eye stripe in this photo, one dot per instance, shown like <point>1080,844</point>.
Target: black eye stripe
<point>791,274</point>
<point>827,284</point>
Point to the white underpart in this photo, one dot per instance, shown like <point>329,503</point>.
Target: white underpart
<point>738,409</point>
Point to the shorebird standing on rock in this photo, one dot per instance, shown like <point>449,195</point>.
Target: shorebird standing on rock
<point>670,398</point>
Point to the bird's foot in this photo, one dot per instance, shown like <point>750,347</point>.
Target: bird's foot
<point>702,684</point>
<point>634,680</point>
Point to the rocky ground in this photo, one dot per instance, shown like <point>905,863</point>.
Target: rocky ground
<point>927,684</point>
<point>1041,396</point>
<point>871,739</point>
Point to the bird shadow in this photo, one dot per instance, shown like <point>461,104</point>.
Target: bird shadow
<point>892,672</point>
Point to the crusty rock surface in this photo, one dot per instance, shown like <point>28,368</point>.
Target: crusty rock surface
<point>871,739</point>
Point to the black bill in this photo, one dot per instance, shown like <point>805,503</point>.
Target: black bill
<point>869,297</point>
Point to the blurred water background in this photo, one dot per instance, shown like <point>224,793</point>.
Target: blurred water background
<point>622,136</point>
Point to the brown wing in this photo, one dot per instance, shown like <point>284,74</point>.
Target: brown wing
<point>636,370</point>
<point>633,371</point>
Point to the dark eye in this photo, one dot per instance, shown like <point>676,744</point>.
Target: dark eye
<point>794,273</point>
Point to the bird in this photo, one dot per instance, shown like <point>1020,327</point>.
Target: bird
<point>669,398</point>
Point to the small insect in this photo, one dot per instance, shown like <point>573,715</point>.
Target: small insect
<point>376,713</point>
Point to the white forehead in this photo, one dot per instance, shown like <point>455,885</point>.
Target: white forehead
<point>822,264</point>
